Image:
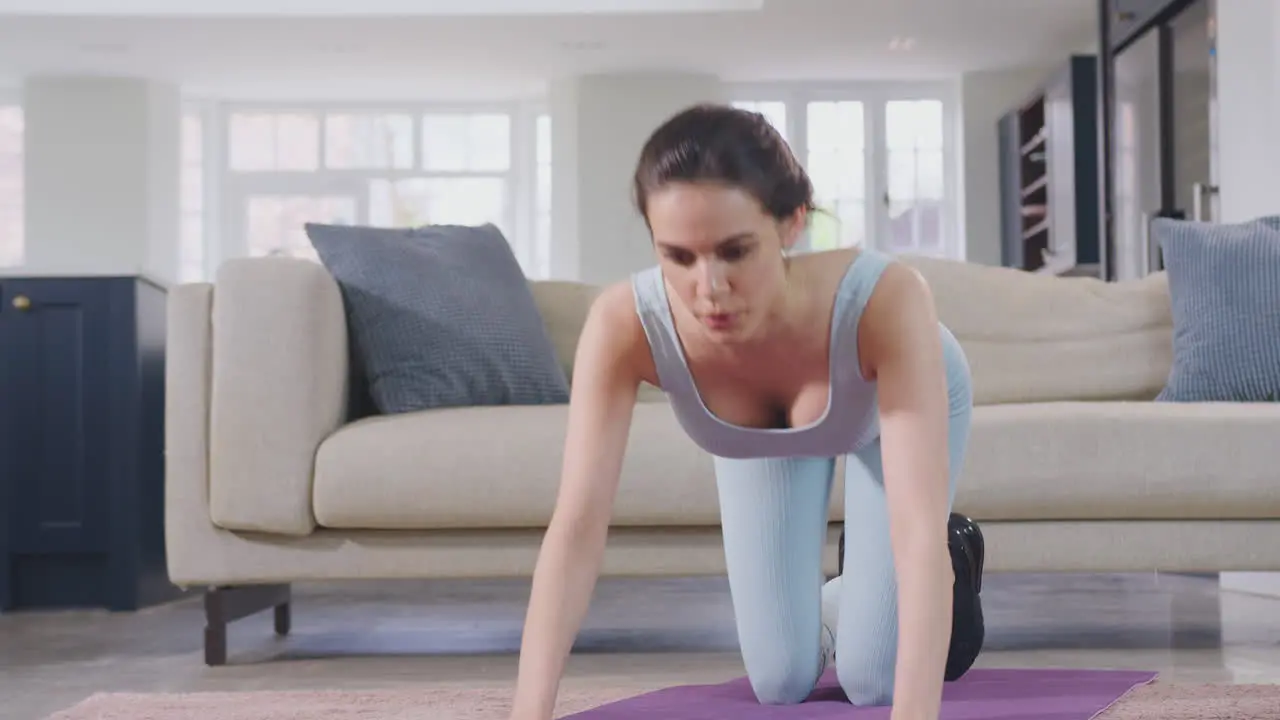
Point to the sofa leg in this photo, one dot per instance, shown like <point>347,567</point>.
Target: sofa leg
<point>226,604</point>
<point>284,619</point>
<point>215,645</point>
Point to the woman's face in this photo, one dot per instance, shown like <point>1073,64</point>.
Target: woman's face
<point>722,254</point>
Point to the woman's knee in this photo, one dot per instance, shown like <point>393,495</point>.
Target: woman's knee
<point>866,684</point>
<point>784,683</point>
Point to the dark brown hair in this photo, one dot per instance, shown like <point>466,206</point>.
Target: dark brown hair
<point>726,145</point>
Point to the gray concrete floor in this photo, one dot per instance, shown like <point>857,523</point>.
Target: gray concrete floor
<point>380,635</point>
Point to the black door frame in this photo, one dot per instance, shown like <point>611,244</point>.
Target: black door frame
<point>1110,47</point>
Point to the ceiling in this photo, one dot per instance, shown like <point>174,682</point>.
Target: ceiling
<point>498,55</point>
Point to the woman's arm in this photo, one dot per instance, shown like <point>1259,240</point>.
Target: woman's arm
<point>904,350</point>
<point>605,384</point>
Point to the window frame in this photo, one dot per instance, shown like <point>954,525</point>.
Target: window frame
<point>875,95</point>
<point>520,177</point>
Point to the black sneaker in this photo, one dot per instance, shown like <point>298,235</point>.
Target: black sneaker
<point>968,552</point>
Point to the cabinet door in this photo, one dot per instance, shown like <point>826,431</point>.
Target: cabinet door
<point>55,420</point>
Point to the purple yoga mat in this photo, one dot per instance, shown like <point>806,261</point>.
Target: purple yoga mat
<point>980,695</point>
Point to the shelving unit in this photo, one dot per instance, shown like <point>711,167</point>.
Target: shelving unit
<point>1048,175</point>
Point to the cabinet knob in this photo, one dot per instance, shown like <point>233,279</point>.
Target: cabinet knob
<point>21,302</point>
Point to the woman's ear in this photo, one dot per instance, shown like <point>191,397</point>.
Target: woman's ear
<point>792,229</point>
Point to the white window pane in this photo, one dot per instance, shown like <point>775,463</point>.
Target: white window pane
<point>192,188</point>
<point>929,127</point>
<point>252,140</point>
<point>11,131</point>
<point>774,111</point>
<point>458,143</point>
<point>543,142</point>
<point>276,223</point>
<point>444,143</point>
<point>543,189</point>
<point>852,213</point>
<point>916,226</point>
<point>192,139</point>
<point>489,143</point>
<point>913,124</point>
<point>11,177</point>
<point>297,142</point>
<point>902,174</point>
<point>901,230</point>
<point>191,251</point>
<point>368,141</point>
<point>438,201</point>
<point>929,175</point>
<point>824,173</point>
<point>837,173</point>
<point>930,230</point>
<point>836,125</point>
<point>824,229</point>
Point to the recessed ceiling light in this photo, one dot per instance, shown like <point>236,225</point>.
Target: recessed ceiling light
<point>902,43</point>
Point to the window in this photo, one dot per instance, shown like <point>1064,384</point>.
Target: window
<point>436,201</point>
<point>466,143</point>
<point>275,222</point>
<point>775,111</point>
<point>915,176</point>
<point>368,141</point>
<point>191,243</point>
<point>836,161</point>
<point>282,142</point>
<point>12,196</point>
<point>388,168</point>
<point>879,157</point>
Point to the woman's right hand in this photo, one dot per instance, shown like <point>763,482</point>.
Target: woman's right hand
<point>611,348</point>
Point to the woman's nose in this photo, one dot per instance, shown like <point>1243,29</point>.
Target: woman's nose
<point>714,278</point>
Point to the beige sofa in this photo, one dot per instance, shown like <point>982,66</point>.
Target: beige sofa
<point>1071,468</point>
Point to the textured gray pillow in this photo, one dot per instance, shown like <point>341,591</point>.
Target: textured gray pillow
<point>440,316</point>
<point>1224,283</point>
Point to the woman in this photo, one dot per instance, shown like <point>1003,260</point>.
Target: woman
<point>776,365</point>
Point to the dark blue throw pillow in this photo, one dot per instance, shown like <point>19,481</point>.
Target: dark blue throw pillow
<point>441,316</point>
<point>1224,285</point>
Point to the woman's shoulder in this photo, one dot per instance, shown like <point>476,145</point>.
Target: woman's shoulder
<point>613,331</point>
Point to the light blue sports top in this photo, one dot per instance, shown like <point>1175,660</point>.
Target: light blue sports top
<point>851,418</point>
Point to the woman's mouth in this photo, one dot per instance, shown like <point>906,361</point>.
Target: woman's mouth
<point>718,321</point>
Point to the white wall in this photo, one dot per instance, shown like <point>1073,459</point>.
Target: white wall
<point>1248,108</point>
<point>599,124</point>
<point>984,98</point>
<point>102,176</point>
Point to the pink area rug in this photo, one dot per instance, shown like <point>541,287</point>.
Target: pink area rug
<point>1006,694</point>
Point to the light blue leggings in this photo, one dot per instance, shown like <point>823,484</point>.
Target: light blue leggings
<point>774,520</point>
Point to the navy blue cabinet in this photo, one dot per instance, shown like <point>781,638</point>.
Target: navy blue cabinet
<point>82,443</point>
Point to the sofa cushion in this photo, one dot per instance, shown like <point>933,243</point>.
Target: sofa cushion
<point>440,316</point>
<point>1039,461</point>
<point>486,467</point>
<point>1225,283</point>
<point>563,305</point>
<point>1033,338</point>
<point>1122,461</point>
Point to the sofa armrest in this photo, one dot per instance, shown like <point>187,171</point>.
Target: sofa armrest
<point>278,388</point>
